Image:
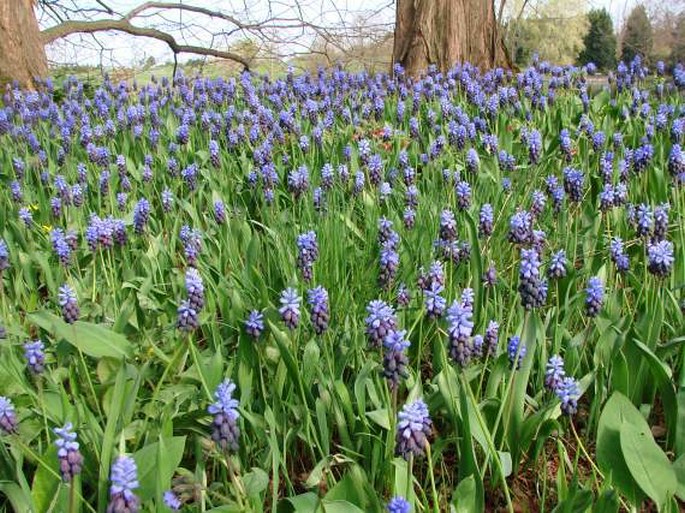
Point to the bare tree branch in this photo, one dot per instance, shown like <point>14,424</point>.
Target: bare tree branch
<point>123,25</point>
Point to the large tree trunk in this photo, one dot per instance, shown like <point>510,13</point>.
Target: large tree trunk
<point>444,32</point>
<point>22,54</point>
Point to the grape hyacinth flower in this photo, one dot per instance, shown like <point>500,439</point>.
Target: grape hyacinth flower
<point>308,253</point>
<point>195,289</point>
<point>554,372</point>
<point>26,216</point>
<point>290,308</point>
<point>8,416</point>
<point>538,201</point>
<point>254,324</point>
<point>124,477</point>
<point>188,318</point>
<point>448,225</point>
<point>594,298</point>
<point>219,212</point>
<point>319,311</point>
<point>398,504</point>
<point>171,501</point>
<point>618,255</point>
<point>472,160</point>
<point>573,184</point>
<point>521,228</point>
<point>167,200</point>
<point>532,288</point>
<point>389,264</point>
<point>516,351</point>
<point>192,243</point>
<point>380,321</point>
<point>606,197</point>
<point>486,220</point>
<point>660,258</point>
<point>59,245</point>
<point>463,192</point>
<point>4,256</point>
<point>141,215</point>
<point>434,302</point>
<point>34,353</point>
<point>661,221</point>
<point>565,144</point>
<point>395,359</point>
<point>70,458</point>
<point>435,275</point>
<point>568,392</point>
<point>490,276</point>
<point>214,153</point>
<point>414,427</point>
<point>460,329</point>
<point>557,265</point>
<point>409,218</point>
<point>534,141</point>
<point>69,304</point>
<point>403,296</point>
<point>225,429</point>
<point>644,220</point>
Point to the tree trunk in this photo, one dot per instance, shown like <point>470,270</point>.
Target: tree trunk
<point>444,32</point>
<point>22,54</point>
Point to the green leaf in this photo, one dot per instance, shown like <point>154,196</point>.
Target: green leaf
<point>19,500</point>
<point>680,424</point>
<point>93,339</point>
<point>148,470</point>
<point>340,507</point>
<point>647,463</point>
<point>679,469</point>
<point>464,499</point>
<point>617,410</point>
<point>304,503</point>
<point>46,483</point>
<point>380,417</point>
<point>255,481</point>
<point>607,502</point>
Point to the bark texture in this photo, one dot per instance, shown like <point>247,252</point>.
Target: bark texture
<point>444,32</point>
<point>22,55</point>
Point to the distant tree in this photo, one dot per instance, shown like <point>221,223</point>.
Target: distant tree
<point>538,29</point>
<point>678,50</point>
<point>600,41</point>
<point>637,35</point>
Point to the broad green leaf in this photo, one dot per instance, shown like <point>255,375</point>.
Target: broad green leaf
<point>304,503</point>
<point>45,482</point>
<point>255,481</point>
<point>340,507</point>
<point>93,339</point>
<point>617,410</point>
<point>380,417</point>
<point>464,499</point>
<point>679,469</point>
<point>20,501</point>
<point>647,463</point>
<point>149,471</point>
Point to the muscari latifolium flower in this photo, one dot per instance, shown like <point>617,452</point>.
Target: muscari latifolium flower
<point>124,478</point>
<point>225,429</point>
<point>414,428</point>
<point>68,453</point>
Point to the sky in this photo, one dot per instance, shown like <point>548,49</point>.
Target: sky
<point>116,49</point>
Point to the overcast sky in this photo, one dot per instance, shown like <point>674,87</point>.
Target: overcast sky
<point>123,50</point>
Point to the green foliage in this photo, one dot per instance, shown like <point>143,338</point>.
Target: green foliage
<point>637,36</point>
<point>537,31</point>
<point>600,41</point>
